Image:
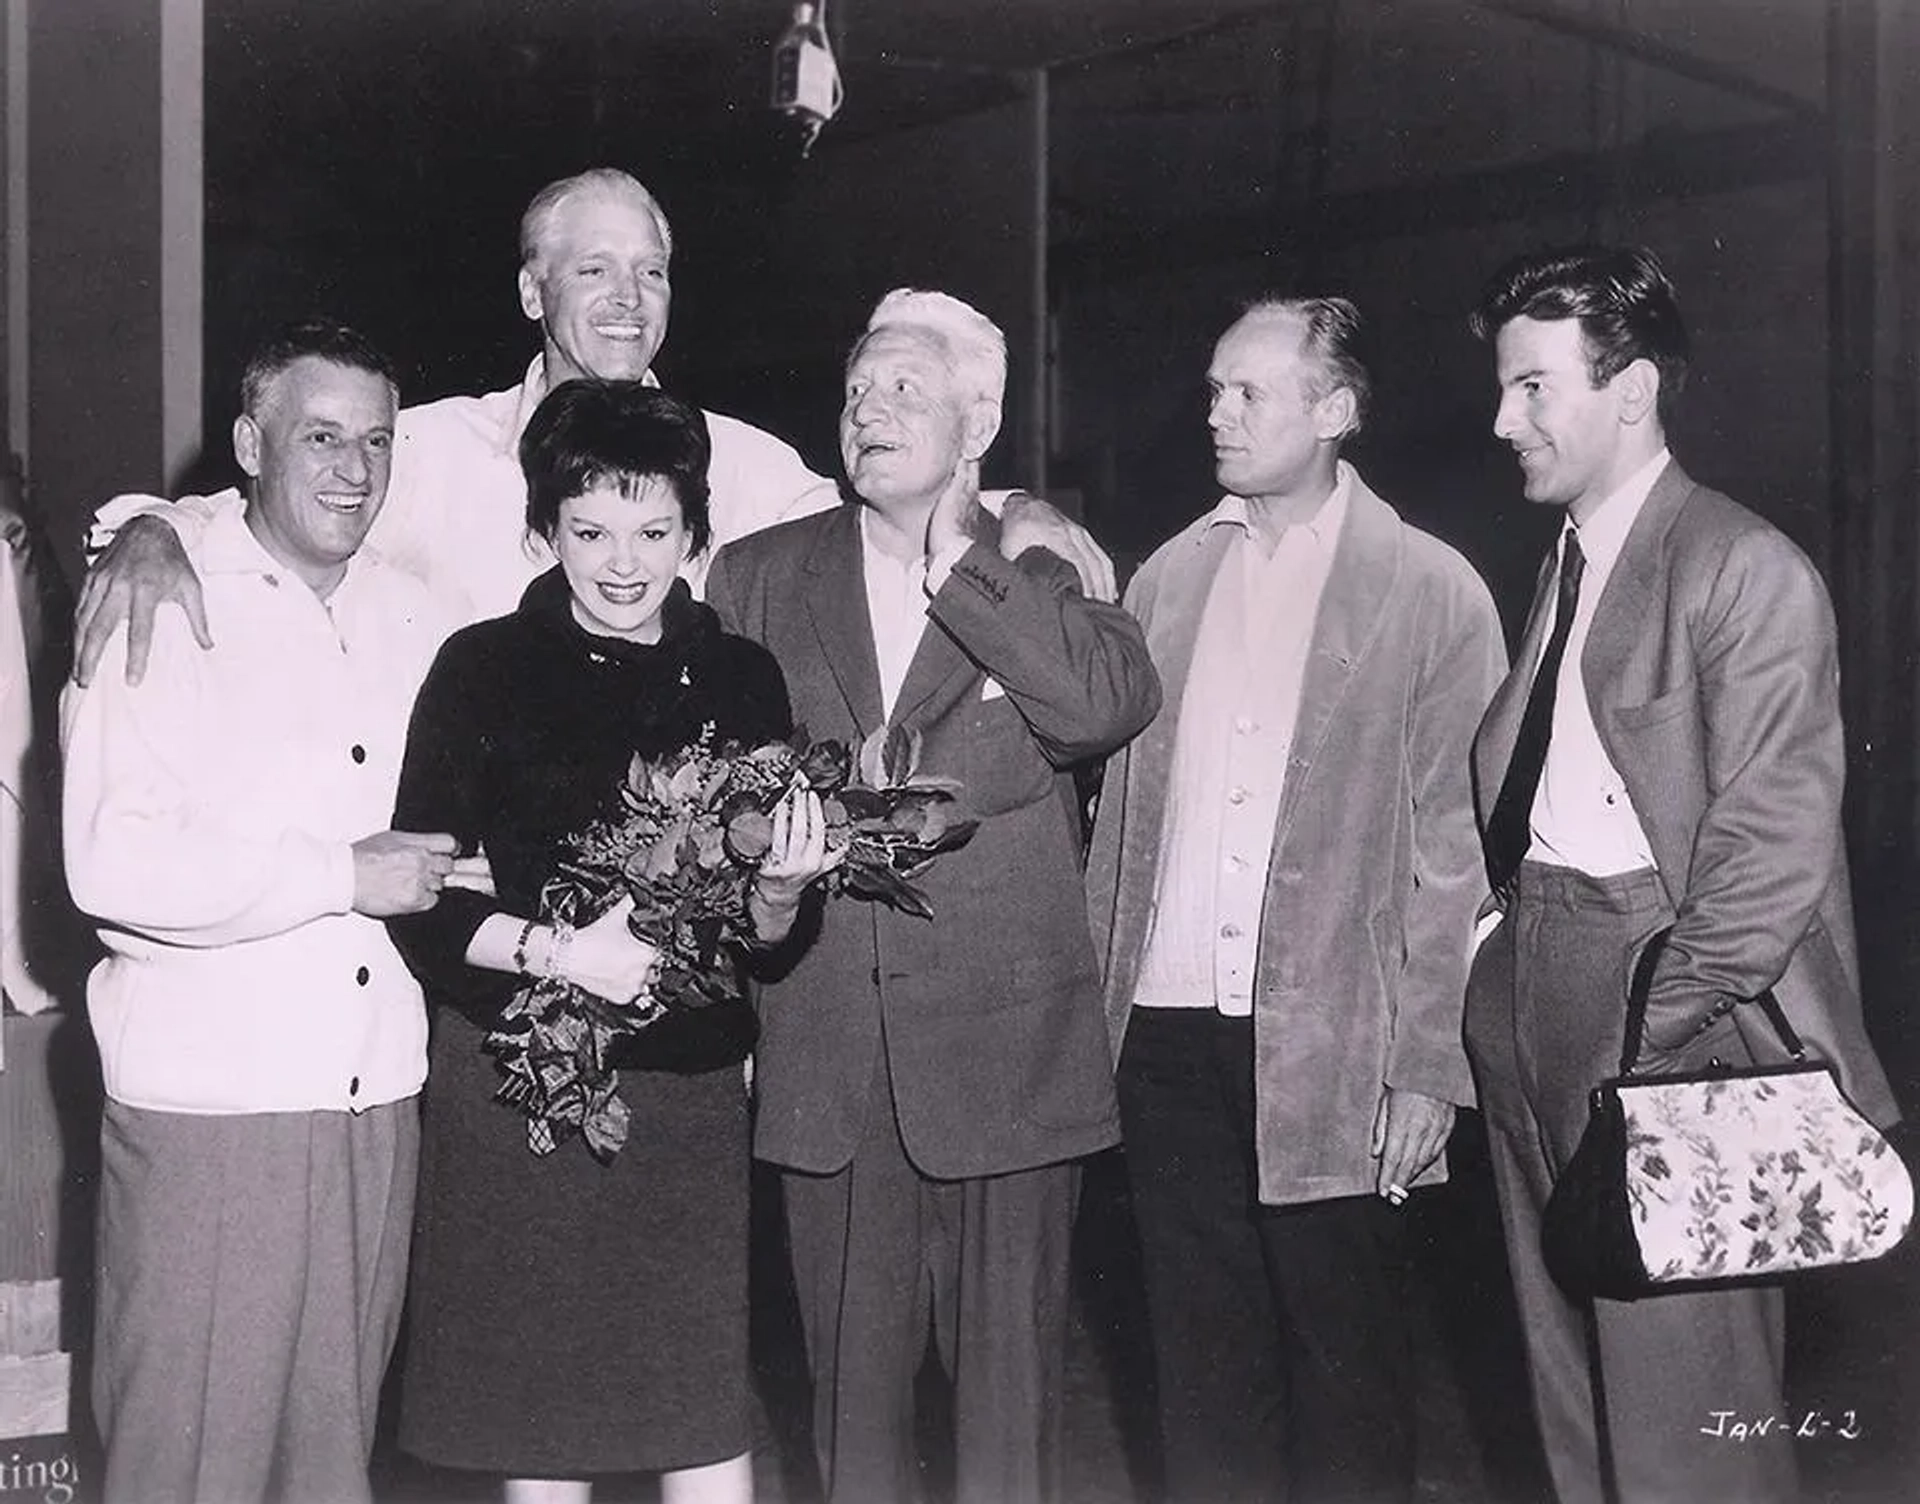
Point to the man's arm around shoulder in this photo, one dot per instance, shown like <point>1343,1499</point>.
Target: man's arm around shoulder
<point>139,547</point>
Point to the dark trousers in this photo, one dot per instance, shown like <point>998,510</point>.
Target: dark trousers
<point>882,1255</point>
<point>1625,1391</point>
<point>1281,1334</point>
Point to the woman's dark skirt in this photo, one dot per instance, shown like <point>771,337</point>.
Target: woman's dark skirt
<point>567,1317</point>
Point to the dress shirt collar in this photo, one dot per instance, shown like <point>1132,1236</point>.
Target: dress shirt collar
<point>533,387</point>
<point>228,546</point>
<point>1604,533</point>
<point>896,600</point>
<point>1323,526</point>
<point>876,556</point>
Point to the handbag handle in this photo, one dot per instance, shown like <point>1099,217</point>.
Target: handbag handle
<point>1642,985</point>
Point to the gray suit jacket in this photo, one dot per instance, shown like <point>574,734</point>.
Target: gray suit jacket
<point>1712,673</point>
<point>988,1016</point>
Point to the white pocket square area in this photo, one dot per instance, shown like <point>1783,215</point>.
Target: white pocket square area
<point>1484,926</point>
<point>990,690</point>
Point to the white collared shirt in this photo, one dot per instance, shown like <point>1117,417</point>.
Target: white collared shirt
<point>896,608</point>
<point>209,818</point>
<point>1582,817</point>
<point>1231,745</point>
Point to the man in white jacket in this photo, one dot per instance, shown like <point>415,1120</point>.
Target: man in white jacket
<point>262,1042</point>
<point>595,279</point>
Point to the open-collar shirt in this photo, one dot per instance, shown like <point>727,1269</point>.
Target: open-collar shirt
<point>896,607</point>
<point>1236,727</point>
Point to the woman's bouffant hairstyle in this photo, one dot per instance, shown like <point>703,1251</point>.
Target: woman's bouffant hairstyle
<point>587,434</point>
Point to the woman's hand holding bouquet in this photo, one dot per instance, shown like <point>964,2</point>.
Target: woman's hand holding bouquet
<point>799,853</point>
<point>706,853</point>
<point>606,960</point>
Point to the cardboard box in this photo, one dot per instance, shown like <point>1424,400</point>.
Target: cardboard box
<point>29,1318</point>
<point>33,1395</point>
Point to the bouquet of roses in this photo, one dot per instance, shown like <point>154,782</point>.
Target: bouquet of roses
<point>683,839</point>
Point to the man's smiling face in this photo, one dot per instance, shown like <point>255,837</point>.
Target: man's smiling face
<point>598,284</point>
<point>907,423</point>
<point>319,449</point>
<point>1571,436</point>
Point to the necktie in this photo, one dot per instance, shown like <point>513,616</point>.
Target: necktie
<point>1509,830</point>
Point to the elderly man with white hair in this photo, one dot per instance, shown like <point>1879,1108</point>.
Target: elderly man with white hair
<point>926,1087</point>
<point>595,276</point>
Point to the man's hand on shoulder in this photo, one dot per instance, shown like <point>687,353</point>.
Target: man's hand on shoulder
<point>141,569</point>
<point>1030,522</point>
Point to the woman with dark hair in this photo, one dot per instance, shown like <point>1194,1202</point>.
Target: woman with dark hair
<point>569,1318</point>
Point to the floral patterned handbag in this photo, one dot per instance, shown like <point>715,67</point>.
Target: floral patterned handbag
<point>1721,1177</point>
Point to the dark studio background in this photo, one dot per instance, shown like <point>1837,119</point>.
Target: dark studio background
<point>1108,179</point>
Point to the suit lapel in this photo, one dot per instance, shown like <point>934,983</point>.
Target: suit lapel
<point>938,665</point>
<point>1620,618</point>
<point>1365,562</point>
<point>1500,726</point>
<point>1173,631</point>
<point>836,600</point>
<point>1171,622</point>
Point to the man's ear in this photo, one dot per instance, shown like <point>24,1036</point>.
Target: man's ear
<point>1336,414</point>
<point>983,427</point>
<point>1638,387</point>
<point>530,294</point>
<point>246,445</point>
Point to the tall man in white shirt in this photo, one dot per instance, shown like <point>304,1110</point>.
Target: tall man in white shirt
<point>595,275</point>
<point>262,1042</point>
<point>1666,752</point>
<point>1283,885</point>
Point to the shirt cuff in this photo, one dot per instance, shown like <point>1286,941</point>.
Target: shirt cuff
<point>116,514</point>
<point>339,878</point>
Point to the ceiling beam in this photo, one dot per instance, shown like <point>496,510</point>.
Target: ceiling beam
<point>1565,185</point>
<point>1647,49</point>
<point>1197,35</point>
<point>1047,48</point>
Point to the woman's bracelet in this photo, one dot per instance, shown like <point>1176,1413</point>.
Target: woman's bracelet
<point>557,949</point>
<point>520,948</point>
<point>780,904</point>
<point>654,971</point>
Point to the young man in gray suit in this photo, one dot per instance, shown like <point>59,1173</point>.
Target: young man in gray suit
<point>926,1085</point>
<point>1283,885</point>
<point>1667,751</point>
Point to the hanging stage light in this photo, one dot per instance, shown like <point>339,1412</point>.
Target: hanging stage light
<point>806,79</point>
